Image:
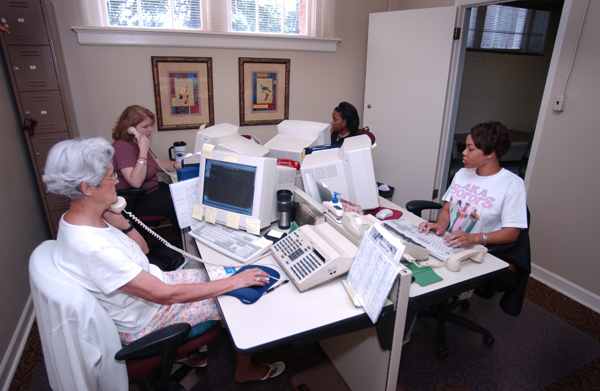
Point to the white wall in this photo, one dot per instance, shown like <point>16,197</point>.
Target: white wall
<point>105,79</point>
<point>563,176</point>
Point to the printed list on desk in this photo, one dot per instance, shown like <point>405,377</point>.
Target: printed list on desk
<point>184,194</point>
<point>375,269</point>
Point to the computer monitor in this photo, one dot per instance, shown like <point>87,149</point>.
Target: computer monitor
<point>318,131</point>
<point>240,187</point>
<point>347,170</point>
<point>226,137</point>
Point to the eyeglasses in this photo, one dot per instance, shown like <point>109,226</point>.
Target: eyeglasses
<point>112,176</point>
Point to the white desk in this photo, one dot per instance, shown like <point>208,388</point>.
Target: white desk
<point>326,313</point>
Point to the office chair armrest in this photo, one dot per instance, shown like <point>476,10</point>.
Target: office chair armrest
<point>170,335</point>
<point>417,206</point>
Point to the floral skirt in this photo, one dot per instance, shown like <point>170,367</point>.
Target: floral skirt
<point>193,313</point>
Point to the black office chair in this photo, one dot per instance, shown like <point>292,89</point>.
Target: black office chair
<point>159,255</point>
<point>81,344</point>
<point>132,196</point>
<point>513,284</point>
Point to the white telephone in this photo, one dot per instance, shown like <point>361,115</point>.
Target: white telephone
<point>132,130</point>
<point>314,254</point>
<point>119,207</point>
<point>455,261</point>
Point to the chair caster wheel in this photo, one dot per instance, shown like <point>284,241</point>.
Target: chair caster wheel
<point>442,354</point>
<point>488,341</point>
<point>465,305</point>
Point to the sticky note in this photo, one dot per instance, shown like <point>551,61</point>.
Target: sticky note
<point>197,212</point>
<point>233,220</point>
<point>262,242</point>
<point>253,226</point>
<point>231,158</point>
<point>211,215</point>
<point>207,150</point>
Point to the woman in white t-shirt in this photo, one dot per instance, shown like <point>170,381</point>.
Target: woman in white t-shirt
<point>490,201</point>
<point>101,250</point>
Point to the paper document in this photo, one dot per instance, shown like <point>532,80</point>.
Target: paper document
<point>184,197</point>
<point>375,269</point>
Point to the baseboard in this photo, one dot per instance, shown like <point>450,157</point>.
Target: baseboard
<point>567,288</point>
<point>13,354</point>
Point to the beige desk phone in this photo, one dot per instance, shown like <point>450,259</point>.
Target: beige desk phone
<point>314,254</point>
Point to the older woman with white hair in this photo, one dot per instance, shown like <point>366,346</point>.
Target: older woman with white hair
<point>101,250</point>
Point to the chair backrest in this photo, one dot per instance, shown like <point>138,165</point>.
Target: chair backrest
<point>366,131</point>
<point>79,339</point>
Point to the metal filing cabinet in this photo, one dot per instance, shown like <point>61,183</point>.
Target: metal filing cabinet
<point>31,57</point>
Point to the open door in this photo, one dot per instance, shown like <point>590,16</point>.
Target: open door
<point>406,88</point>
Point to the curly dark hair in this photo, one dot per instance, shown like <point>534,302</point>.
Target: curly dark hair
<point>349,113</point>
<point>491,137</point>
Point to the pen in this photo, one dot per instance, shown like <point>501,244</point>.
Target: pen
<point>277,286</point>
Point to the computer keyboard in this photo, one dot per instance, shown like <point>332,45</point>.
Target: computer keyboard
<point>233,243</point>
<point>410,232</point>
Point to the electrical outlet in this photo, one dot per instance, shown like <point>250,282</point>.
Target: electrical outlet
<point>559,102</point>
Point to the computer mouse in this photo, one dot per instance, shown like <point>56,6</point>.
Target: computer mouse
<point>384,214</point>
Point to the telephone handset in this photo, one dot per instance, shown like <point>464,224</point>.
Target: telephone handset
<point>455,261</point>
<point>476,254</point>
<point>119,207</point>
<point>133,131</point>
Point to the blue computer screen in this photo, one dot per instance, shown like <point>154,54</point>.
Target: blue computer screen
<point>229,186</point>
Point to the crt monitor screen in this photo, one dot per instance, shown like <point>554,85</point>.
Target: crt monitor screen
<point>229,186</point>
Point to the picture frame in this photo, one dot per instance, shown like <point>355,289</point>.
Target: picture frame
<point>264,90</point>
<point>183,92</point>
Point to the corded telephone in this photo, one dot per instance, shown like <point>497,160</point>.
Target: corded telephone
<point>134,132</point>
<point>314,254</point>
<point>455,261</point>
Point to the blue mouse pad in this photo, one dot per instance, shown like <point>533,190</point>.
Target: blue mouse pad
<point>249,295</point>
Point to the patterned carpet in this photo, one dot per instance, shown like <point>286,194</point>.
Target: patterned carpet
<point>553,345</point>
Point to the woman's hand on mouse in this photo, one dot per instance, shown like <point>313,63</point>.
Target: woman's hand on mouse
<point>251,277</point>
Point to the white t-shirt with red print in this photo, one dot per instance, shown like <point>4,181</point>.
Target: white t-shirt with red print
<point>486,203</point>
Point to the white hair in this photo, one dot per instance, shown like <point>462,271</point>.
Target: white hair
<point>72,162</point>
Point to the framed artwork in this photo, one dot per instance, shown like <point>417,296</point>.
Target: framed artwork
<point>264,90</point>
<point>183,92</point>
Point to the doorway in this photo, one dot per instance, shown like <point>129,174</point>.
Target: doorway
<point>504,85</point>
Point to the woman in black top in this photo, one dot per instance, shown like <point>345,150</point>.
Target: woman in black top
<point>344,123</point>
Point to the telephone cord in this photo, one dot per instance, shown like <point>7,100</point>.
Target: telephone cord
<point>173,176</point>
<point>180,251</point>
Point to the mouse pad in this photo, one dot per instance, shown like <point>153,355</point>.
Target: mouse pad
<point>251,294</point>
<point>395,213</point>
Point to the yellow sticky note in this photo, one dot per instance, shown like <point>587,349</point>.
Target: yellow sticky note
<point>231,158</point>
<point>253,226</point>
<point>197,212</point>
<point>207,150</point>
<point>211,215</point>
<point>233,220</point>
<point>262,242</point>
